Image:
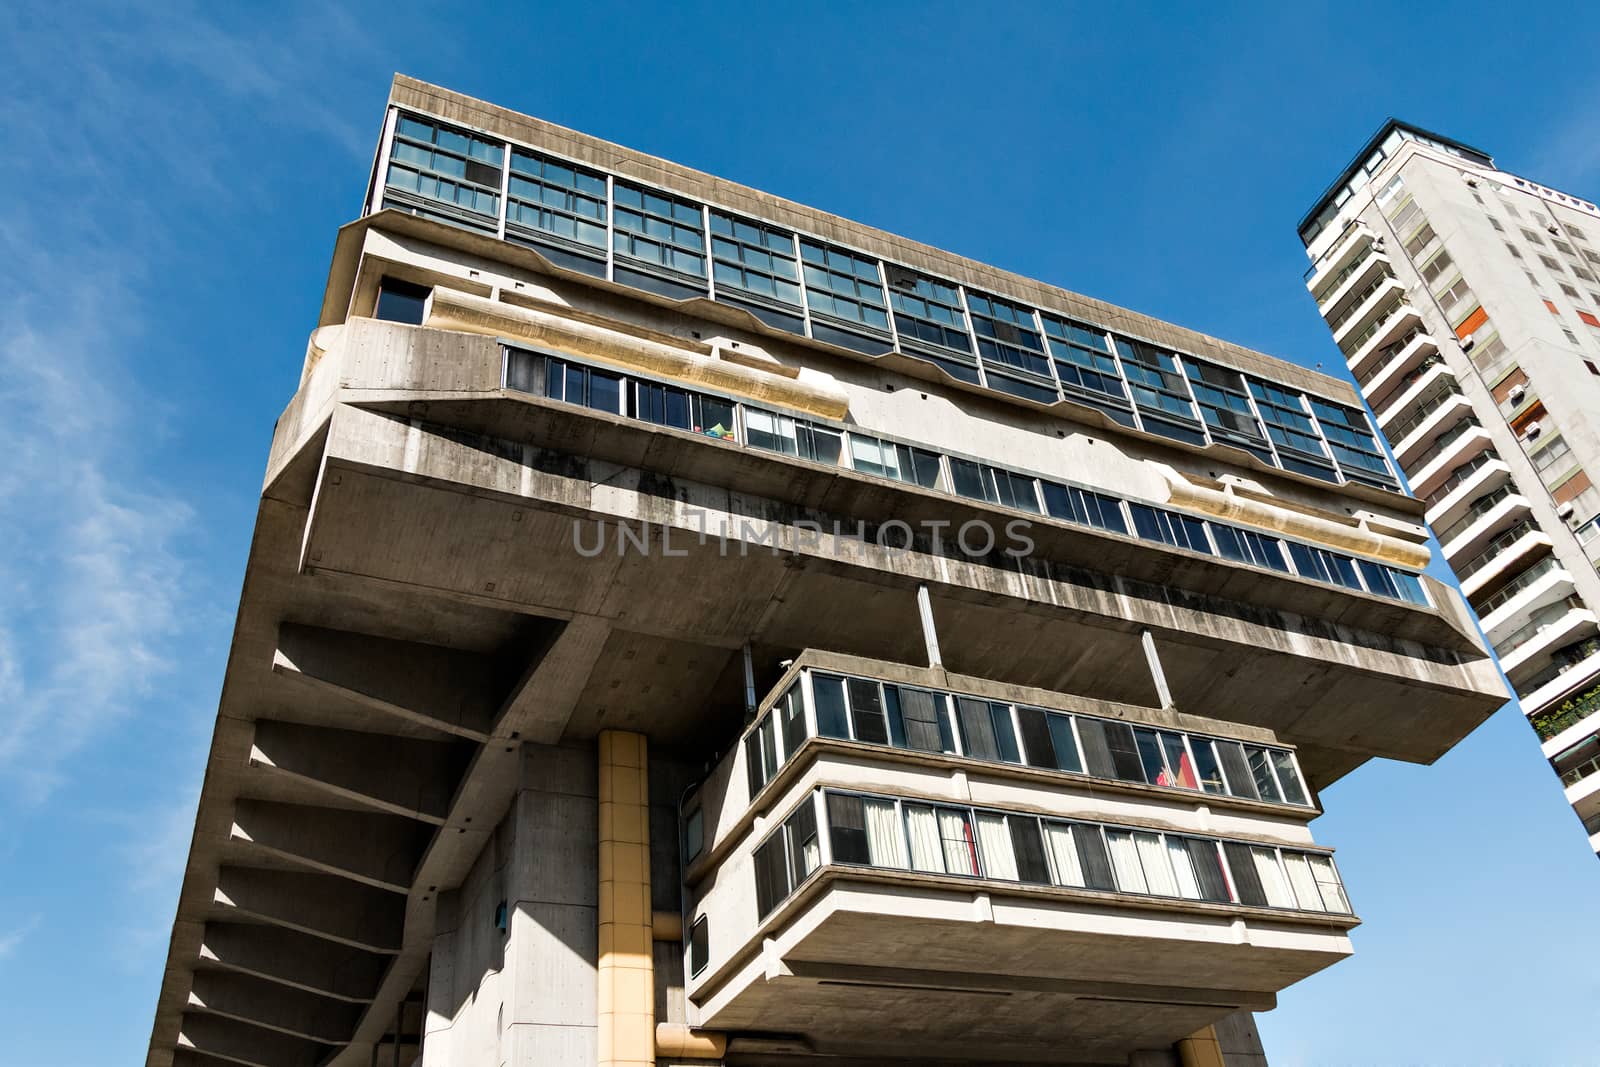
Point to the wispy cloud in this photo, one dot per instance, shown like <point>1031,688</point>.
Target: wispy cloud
<point>14,937</point>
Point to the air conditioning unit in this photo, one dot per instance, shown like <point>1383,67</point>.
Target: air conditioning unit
<point>1566,511</point>
<point>1471,180</point>
<point>1554,230</point>
<point>1532,430</point>
<point>1517,392</point>
<point>1466,343</point>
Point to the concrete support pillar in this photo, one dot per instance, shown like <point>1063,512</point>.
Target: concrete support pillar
<point>626,973</point>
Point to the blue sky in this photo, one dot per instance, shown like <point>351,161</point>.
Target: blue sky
<point>173,184</point>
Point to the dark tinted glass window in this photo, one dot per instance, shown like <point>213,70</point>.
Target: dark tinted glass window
<point>1245,878</point>
<point>772,883</point>
<point>1207,869</point>
<point>1240,781</point>
<point>1150,755</point>
<point>1205,759</point>
<point>1066,745</point>
<point>1261,773</point>
<point>1036,740</point>
<point>977,728</point>
<point>401,301</point>
<point>791,710</point>
<point>828,692</point>
<point>926,727</point>
<point>1288,777</point>
<point>1096,750</point>
<point>866,712</point>
<point>847,829</point>
<point>1125,760</point>
<point>698,945</point>
<point>1093,857</point>
<point>1028,846</point>
<point>800,829</point>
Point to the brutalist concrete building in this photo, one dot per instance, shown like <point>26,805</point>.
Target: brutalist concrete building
<point>683,626</point>
<point>1467,301</point>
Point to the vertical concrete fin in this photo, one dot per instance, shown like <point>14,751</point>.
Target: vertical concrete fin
<point>627,1035</point>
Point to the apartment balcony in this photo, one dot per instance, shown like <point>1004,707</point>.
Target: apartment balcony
<point>1526,652</point>
<point>1509,551</point>
<point>1395,365</point>
<point>1356,240</point>
<point>1431,467</point>
<point>1579,769</point>
<point>1478,476</point>
<point>1481,522</point>
<point>1024,872</point>
<point>1365,307</point>
<point>1423,385</point>
<point>1561,706</point>
<point>1504,611</point>
<point>1392,323</point>
<point>1339,291</point>
<point>1418,428</point>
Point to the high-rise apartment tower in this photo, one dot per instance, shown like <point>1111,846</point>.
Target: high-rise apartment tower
<point>1467,302</point>
<point>684,626</point>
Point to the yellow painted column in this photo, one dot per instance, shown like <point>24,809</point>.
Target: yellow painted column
<point>1201,1049</point>
<point>627,999</point>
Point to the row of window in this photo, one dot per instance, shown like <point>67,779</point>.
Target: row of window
<point>667,405</point>
<point>659,242</point>
<point>894,833</point>
<point>820,704</point>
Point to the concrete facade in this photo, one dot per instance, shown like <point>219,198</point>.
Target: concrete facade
<point>507,628</point>
<point>1478,292</point>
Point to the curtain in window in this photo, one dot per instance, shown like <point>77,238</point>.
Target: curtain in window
<point>1183,873</point>
<point>884,842</point>
<point>960,851</point>
<point>804,852</point>
<point>1065,853</point>
<point>999,861</point>
<point>927,851</point>
<point>1157,870</point>
<point>1125,861</point>
<point>1328,882</point>
<point>1272,880</point>
<point>1303,882</point>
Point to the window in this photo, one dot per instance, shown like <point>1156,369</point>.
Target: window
<point>1432,270</point>
<point>1352,442</point>
<point>978,481</point>
<point>1159,391</point>
<point>449,167</point>
<point>922,717</point>
<point>1323,565</point>
<point>553,199</point>
<point>1048,740</point>
<point>698,946</point>
<point>1226,408</point>
<point>867,719</point>
<point>1084,507</point>
<point>1292,429</point>
<point>756,261</point>
<point>1496,224</point>
<point>887,459</point>
<point>586,386</point>
<point>986,731</point>
<point>942,840</point>
<point>1551,264</point>
<point>1515,253</point>
<point>1247,546</point>
<point>1007,335</point>
<point>761,753</point>
<point>787,858</point>
<point>1532,237</point>
<point>658,232</point>
<point>827,691</point>
<point>694,833</point>
<point>927,311</point>
<point>845,288</point>
<point>792,437</point>
<point>1155,524</point>
<point>400,301</point>
<point>865,830</point>
<point>667,405</point>
<point>1086,367</point>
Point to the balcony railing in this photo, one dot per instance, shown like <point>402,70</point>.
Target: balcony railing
<point>1442,442</point>
<point>1338,321</point>
<point>1352,345</point>
<point>1569,712</point>
<point>1327,288</point>
<point>1537,624</point>
<point>1495,549</point>
<point>1462,473</point>
<point>1480,507</point>
<point>1506,593</point>
<point>1580,772</point>
<point>1419,414</point>
<point>1389,352</point>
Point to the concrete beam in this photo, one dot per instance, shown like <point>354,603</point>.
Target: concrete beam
<point>273,1006</point>
<point>292,959</point>
<point>377,850</point>
<point>443,688</point>
<point>237,1042</point>
<point>399,775</point>
<point>544,697</point>
<point>320,904</point>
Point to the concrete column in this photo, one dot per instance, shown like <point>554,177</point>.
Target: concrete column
<point>626,972</point>
<point>1200,1049</point>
